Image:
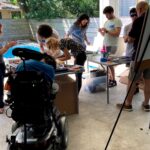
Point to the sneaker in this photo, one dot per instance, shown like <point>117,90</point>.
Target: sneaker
<point>127,108</point>
<point>146,107</point>
<point>8,101</point>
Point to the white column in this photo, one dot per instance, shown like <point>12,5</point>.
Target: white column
<point>103,4</point>
<point>115,5</point>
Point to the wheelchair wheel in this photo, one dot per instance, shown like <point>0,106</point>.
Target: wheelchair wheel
<point>11,147</point>
<point>64,132</point>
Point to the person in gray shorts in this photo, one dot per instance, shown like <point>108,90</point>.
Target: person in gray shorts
<point>141,73</point>
<point>134,35</point>
<point>111,31</point>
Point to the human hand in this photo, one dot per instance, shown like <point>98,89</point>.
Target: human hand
<point>10,44</point>
<point>101,29</point>
<point>105,30</point>
<point>88,43</point>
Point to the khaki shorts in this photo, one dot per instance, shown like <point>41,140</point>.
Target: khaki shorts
<point>145,73</point>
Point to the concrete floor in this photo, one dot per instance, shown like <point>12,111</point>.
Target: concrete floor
<point>90,129</point>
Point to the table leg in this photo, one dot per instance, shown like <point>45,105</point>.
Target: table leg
<point>87,65</point>
<point>107,87</point>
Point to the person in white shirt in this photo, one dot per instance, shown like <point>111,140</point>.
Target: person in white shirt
<point>111,32</point>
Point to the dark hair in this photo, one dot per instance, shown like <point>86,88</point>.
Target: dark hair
<point>45,31</point>
<point>108,9</point>
<point>82,17</point>
<point>50,60</point>
<point>133,12</point>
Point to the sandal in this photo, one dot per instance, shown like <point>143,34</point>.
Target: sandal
<point>1,110</point>
<point>112,83</point>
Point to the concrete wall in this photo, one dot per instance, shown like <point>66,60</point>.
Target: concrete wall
<point>62,26</point>
<point>15,29</point>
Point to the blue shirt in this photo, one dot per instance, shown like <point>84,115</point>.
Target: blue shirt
<point>34,65</point>
<point>78,34</point>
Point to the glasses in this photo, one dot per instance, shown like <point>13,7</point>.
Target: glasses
<point>42,41</point>
<point>133,14</point>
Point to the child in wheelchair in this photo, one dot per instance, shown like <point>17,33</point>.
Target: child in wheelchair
<point>38,123</point>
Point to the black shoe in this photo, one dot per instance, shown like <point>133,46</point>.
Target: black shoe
<point>8,101</point>
<point>126,108</point>
<point>146,107</point>
<point>112,83</point>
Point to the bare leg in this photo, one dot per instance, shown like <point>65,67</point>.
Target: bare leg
<point>146,91</point>
<point>131,93</point>
<point>112,73</point>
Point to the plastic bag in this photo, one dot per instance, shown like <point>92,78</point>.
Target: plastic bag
<point>95,84</point>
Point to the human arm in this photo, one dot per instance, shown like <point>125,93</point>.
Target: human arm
<point>86,39</point>
<point>115,32</point>
<point>65,56</point>
<point>135,31</point>
<point>126,37</point>
<point>7,46</point>
<point>102,32</point>
<point>68,34</point>
<point>113,28</point>
<point>130,39</point>
<point>125,34</point>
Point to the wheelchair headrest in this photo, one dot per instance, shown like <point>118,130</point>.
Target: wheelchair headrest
<point>27,53</point>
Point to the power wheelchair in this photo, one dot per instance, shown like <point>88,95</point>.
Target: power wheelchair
<point>38,124</point>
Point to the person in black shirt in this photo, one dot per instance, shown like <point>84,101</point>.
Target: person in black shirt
<point>67,44</point>
<point>134,36</point>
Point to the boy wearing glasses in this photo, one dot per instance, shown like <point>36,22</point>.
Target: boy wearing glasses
<point>44,32</point>
<point>127,28</point>
<point>129,45</point>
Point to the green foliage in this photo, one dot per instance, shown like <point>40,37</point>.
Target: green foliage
<point>76,7</point>
<point>46,9</point>
<point>16,15</point>
<point>13,1</point>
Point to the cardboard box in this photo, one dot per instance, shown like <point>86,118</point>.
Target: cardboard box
<point>67,97</point>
